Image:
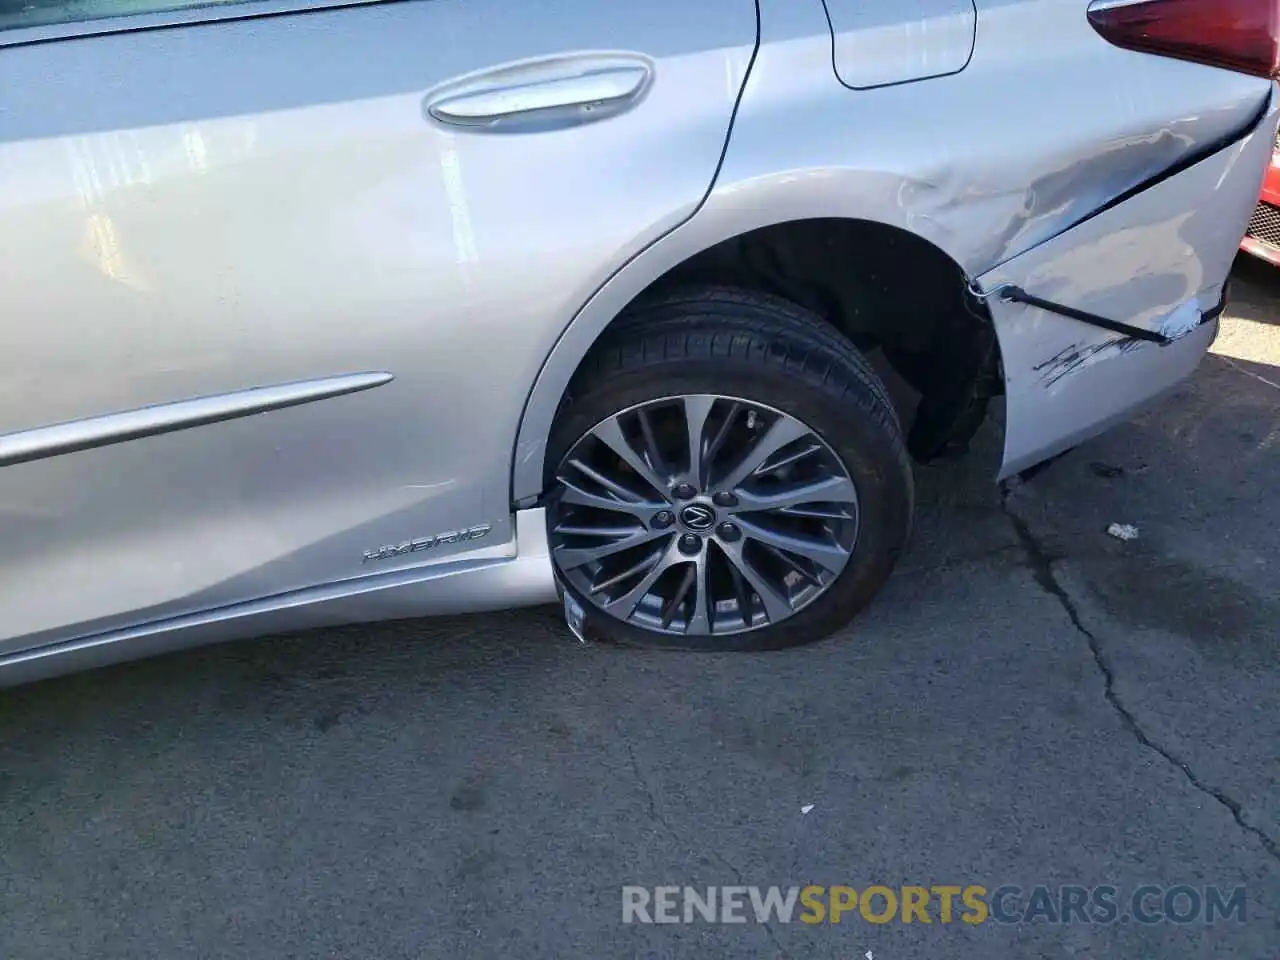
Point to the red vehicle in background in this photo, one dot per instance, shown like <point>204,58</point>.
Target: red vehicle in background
<point>1263,238</point>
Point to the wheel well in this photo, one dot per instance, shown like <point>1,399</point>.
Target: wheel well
<point>881,287</point>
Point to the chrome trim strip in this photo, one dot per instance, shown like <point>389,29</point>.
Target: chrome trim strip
<point>92,432</point>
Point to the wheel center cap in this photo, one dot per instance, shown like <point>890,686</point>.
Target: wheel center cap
<point>698,517</point>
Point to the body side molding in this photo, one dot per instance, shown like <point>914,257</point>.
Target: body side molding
<point>92,432</point>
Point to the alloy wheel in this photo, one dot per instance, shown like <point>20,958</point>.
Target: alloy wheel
<point>702,515</point>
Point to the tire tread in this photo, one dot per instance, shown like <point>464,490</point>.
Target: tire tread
<point>756,325</point>
<point>701,334</point>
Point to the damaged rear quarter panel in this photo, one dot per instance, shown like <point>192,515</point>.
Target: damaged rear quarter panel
<point>1046,124</point>
<point>1138,262</point>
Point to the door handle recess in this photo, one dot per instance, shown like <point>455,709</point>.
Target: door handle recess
<point>543,92</point>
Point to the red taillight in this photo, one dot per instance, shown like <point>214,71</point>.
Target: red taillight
<point>1241,35</point>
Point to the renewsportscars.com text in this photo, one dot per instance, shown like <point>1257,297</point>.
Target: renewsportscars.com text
<point>937,903</point>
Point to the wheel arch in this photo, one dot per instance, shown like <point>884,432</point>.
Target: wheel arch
<point>730,212</point>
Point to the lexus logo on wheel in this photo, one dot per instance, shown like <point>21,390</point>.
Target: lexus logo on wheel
<point>698,517</point>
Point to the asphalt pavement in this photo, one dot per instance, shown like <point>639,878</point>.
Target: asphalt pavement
<point>1031,702</point>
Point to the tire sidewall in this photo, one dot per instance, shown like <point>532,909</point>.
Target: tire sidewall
<point>869,448</point>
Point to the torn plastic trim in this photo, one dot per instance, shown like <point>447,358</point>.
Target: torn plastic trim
<point>1213,313</point>
<point>1011,293</point>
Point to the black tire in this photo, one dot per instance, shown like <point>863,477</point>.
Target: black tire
<point>761,348</point>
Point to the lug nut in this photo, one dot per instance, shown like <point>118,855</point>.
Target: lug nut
<point>663,519</point>
<point>725,499</point>
<point>685,491</point>
<point>690,544</point>
<point>728,532</point>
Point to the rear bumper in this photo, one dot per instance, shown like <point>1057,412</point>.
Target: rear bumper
<point>1166,250</point>
<point>1106,384</point>
<point>1263,236</point>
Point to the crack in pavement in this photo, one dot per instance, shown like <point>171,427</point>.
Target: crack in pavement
<point>1040,563</point>
<point>656,816</point>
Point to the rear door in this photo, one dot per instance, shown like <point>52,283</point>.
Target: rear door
<point>341,220</point>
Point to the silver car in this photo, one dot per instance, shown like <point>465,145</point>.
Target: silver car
<point>320,311</point>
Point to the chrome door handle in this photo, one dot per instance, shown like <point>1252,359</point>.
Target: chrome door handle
<point>572,90</point>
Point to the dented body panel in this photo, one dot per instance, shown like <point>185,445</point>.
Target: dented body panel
<point>1046,125</point>
<point>1167,249</point>
<point>343,229</point>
